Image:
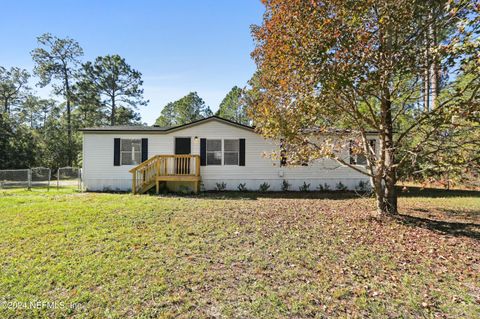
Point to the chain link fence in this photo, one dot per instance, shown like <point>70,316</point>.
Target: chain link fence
<point>11,178</point>
<point>41,177</point>
<point>69,177</point>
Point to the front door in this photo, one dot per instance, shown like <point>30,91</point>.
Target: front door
<point>183,146</point>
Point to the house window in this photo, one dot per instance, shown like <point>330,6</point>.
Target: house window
<point>214,152</point>
<point>303,161</point>
<point>130,151</point>
<point>360,159</point>
<point>231,152</point>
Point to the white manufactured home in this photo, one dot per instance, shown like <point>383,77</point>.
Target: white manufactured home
<point>200,155</point>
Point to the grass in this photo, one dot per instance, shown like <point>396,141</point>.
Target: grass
<point>236,255</point>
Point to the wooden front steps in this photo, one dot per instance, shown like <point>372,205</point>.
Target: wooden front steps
<point>166,168</point>
<point>145,188</point>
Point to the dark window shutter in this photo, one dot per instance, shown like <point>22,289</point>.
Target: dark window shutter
<point>144,149</point>
<point>283,153</point>
<point>203,151</point>
<point>116,152</point>
<point>241,161</point>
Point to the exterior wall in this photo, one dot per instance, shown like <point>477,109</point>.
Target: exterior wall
<point>99,174</point>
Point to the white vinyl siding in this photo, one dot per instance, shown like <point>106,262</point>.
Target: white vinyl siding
<point>130,151</point>
<point>214,152</point>
<point>99,173</point>
<point>231,152</point>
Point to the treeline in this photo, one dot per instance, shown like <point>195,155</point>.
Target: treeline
<point>44,132</point>
<point>192,107</point>
<point>35,131</point>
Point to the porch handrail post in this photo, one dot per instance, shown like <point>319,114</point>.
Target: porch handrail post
<point>197,163</point>
<point>134,182</point>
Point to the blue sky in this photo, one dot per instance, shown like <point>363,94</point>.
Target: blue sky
<point>179,46</point>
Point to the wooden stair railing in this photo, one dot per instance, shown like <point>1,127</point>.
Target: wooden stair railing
<point>143,175</point>
<point>163,167</point>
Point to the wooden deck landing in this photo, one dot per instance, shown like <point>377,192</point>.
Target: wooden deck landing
<point>166,168</point>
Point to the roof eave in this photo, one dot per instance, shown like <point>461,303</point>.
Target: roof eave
<point>169,130</point>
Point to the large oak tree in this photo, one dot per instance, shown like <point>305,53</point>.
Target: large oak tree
<point>359,66</point>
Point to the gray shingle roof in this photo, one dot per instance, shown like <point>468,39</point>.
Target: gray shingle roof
<point>125,128</point>
<point>140,128</point>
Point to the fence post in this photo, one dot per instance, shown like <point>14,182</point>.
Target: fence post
<point>79,176</point>
<point>29,174</point>
<point>49,177</point>
<point>58,178</point>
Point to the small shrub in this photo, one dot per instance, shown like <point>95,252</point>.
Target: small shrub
<point>264,187</point>
<point>341,187</point>
<point>363,187</point>
<point>219,187</point>
<point>242,187</point>
<point>320,188</point>
<point>184,190</point>
<point>285,185</point>
<point>305,187</point>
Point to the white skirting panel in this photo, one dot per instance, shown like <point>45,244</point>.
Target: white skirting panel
<point>123,185</point>
<point>276,184</point>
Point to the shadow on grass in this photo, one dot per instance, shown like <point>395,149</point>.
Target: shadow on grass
<point>233,195</point>
<point>459,229</point>
<point>334,195</point>
<point>436,192</point>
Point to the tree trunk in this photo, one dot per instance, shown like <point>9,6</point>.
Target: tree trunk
<point>112,116</point>
<point>379,195</point>
<point>387,195</point>
<point>434,72</point>
<point>386,172</point>
<point>391,207</point>
<point>6,109</point>
<point>69,123</point>
<point>390,170</point>
<point>426,89</point>
<point>426,75</point>
<point>386,200</point>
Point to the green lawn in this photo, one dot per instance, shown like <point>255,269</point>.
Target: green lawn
<point>237,256</point>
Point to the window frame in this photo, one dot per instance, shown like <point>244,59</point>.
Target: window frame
<point>220,151</point>
<point>131,152</point>
<point>231,152</point>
